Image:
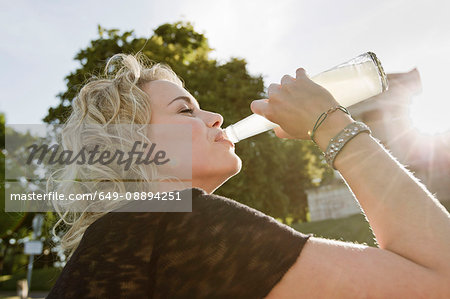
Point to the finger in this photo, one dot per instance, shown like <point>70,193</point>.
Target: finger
<point>280,133</point>
<point>273,89</point>
<point>286,79</point>
<point>262,107</point>
<point>300,73</point>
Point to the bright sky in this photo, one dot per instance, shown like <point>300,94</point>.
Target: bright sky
<point>40,39</point>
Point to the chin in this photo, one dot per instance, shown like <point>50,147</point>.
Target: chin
<point>238,166</point>
<point>218,174</point>
<point>232,171</point>
<point>232,166</point>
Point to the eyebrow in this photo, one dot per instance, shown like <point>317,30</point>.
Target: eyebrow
<point>184,98</point>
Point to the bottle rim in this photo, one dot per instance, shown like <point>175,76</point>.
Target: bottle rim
<point>381,73</point>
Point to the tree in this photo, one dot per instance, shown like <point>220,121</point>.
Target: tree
<point>275,172</point>
<point>15,226</point>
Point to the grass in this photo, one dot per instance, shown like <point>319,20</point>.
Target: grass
<point>353,228</point>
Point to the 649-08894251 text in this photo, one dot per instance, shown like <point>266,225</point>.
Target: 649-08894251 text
<point>49,196</point>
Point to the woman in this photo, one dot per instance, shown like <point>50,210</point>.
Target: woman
<point>223,249</point>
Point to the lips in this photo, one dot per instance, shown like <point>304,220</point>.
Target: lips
<point>220,136</point>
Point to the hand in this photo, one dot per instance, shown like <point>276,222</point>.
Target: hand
<point>295,105</point>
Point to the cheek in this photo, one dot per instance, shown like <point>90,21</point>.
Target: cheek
<point>198,134</point>
<point>202,151</point>
<point>201,147</point>
<point>204,161</point>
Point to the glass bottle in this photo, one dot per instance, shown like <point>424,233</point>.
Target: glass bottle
<point>350,82</point>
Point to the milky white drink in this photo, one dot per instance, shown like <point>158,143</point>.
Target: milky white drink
<point>349,83</point>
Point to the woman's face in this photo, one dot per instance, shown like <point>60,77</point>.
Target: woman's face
<point>213,162</point>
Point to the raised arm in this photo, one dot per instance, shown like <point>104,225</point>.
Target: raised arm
<point>410,225</point>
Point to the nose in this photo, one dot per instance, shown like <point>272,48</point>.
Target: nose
<point>215,120</point>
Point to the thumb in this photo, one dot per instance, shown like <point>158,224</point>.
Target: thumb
<point>259,106</point>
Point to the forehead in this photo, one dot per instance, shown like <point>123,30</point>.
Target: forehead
<point>164,91</point>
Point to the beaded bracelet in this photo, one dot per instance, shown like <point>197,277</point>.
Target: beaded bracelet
<point>341,139</point>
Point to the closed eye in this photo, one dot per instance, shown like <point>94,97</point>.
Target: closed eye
<point>187,110</point>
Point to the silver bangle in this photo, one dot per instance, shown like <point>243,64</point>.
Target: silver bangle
<point>341,139</point>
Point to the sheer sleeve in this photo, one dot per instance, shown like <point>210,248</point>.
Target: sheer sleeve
<point>222,249</point>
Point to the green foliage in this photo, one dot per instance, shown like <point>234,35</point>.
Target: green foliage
<point>177,45</point>
<point>9,222</point>
<point>15,226</point>
<point>42,279</point>
<point>275,172</point>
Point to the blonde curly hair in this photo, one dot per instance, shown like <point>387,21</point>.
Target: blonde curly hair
<point>116,98</point>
